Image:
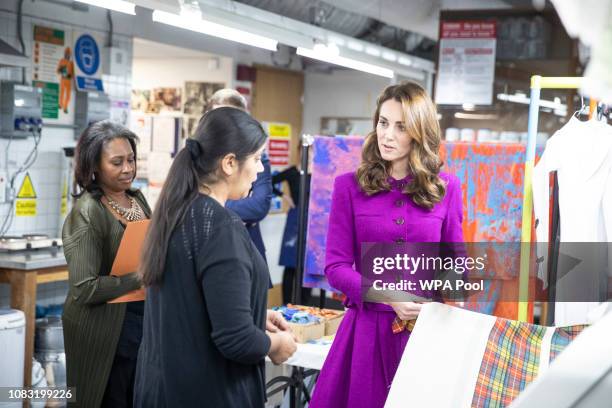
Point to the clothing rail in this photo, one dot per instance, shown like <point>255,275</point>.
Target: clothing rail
<point>306,142</point>
<point>537,84</point>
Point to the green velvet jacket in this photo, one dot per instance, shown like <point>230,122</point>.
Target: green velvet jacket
<point>91,237</point>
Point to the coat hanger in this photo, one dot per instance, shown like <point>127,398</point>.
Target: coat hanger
<point>581,110</point>
<point>602,110</point>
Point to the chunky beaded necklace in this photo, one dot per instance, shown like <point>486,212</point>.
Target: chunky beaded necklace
<point>134,213</point>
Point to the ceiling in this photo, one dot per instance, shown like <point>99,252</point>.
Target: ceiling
<point>409,26</point>
<point>148,49</point>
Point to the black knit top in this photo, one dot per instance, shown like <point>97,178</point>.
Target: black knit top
<point>204,339</point>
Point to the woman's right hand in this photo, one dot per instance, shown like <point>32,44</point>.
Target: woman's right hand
<point>406,310</point>
<point>282,347</point>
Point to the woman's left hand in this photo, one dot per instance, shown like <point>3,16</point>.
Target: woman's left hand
<point>275,322</point>
<point>406,310</point>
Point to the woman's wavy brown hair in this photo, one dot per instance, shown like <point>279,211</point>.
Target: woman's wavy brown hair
<point>421,122</point>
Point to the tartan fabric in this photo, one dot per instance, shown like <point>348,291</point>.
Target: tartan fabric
<point>398,325</point>
<point>562,337</point>
<point>510,362</point>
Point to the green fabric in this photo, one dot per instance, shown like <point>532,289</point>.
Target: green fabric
<point>91,236</point>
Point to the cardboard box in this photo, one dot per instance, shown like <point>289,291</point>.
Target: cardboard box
<point>275,296</point>
<point>306,332</point>
<point>332,323</point>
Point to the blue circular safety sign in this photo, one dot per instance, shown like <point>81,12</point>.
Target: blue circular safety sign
<point>87,54</point>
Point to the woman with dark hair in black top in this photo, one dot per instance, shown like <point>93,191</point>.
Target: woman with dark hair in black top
<point>205,337</point>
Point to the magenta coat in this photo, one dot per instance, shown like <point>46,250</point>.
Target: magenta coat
<point>365,354</point>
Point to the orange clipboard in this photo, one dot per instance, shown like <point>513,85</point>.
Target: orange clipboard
<point>127,259</point>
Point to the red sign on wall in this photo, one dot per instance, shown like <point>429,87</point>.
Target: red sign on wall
<point>467,29</point>
<point>279,143</point>
<point>466,64</point>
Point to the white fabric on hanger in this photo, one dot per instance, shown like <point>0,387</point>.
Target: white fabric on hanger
<point>581,153</point>
<point>442,359</point>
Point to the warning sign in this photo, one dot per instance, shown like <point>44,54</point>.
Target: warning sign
<point>26,198</point>
<point>27,188</point>
<point>64,203</point>
<point>25,208</point>
<point>279,129</point>
<point>279,143</point>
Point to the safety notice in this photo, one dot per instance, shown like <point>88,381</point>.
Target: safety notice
<point>26,198</point>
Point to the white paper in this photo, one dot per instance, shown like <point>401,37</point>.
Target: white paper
<point>158,166</point>
<point>164,134</point>
<point>466,67</point>
<point>141,125</point>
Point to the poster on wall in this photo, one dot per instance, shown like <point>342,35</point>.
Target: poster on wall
<point>279,153</point>
<point>165,134</point>
<point>53,71</point>
<point>466,67</point>
<point>190,123</point>
<point>140,100</point>
<point>142,126</point>
<point>166,100</point>
<point>88,61</point>
<point>120,111</point>
<point>157,100</point>
<point>279,143</point>
<point>197,96</point>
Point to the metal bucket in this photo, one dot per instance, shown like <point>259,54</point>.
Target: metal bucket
<point>49,335</point>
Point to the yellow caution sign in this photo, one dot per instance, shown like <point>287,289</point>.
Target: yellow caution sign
<point>25,208</point>
<point>279,130</point>
<point>64,204</point>
<point>27,188</point>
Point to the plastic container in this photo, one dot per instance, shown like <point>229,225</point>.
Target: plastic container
<point>49,334</point>
<point>451,135</point>
<point>38,381</point>
<point>483,135</point>
<point>468,135</point>
<point>510,137</point>
<point>12,350</point>
<point>54,364</point>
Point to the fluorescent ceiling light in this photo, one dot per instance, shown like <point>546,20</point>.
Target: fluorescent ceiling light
<point>190,22</point>
<point>404,61</point>
<point>389,56</point>
<point>329,49</point>
<point>375,52</point>
<point>336,40</point>
<point>476,116</point>
<point>345,62</point>
<point>355,46</point>
<point>115,5</point>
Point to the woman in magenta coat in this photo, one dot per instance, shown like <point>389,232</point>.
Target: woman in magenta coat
<point>398,194</point>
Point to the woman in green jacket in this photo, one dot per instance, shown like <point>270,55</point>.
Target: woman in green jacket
<point>102,339</point>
